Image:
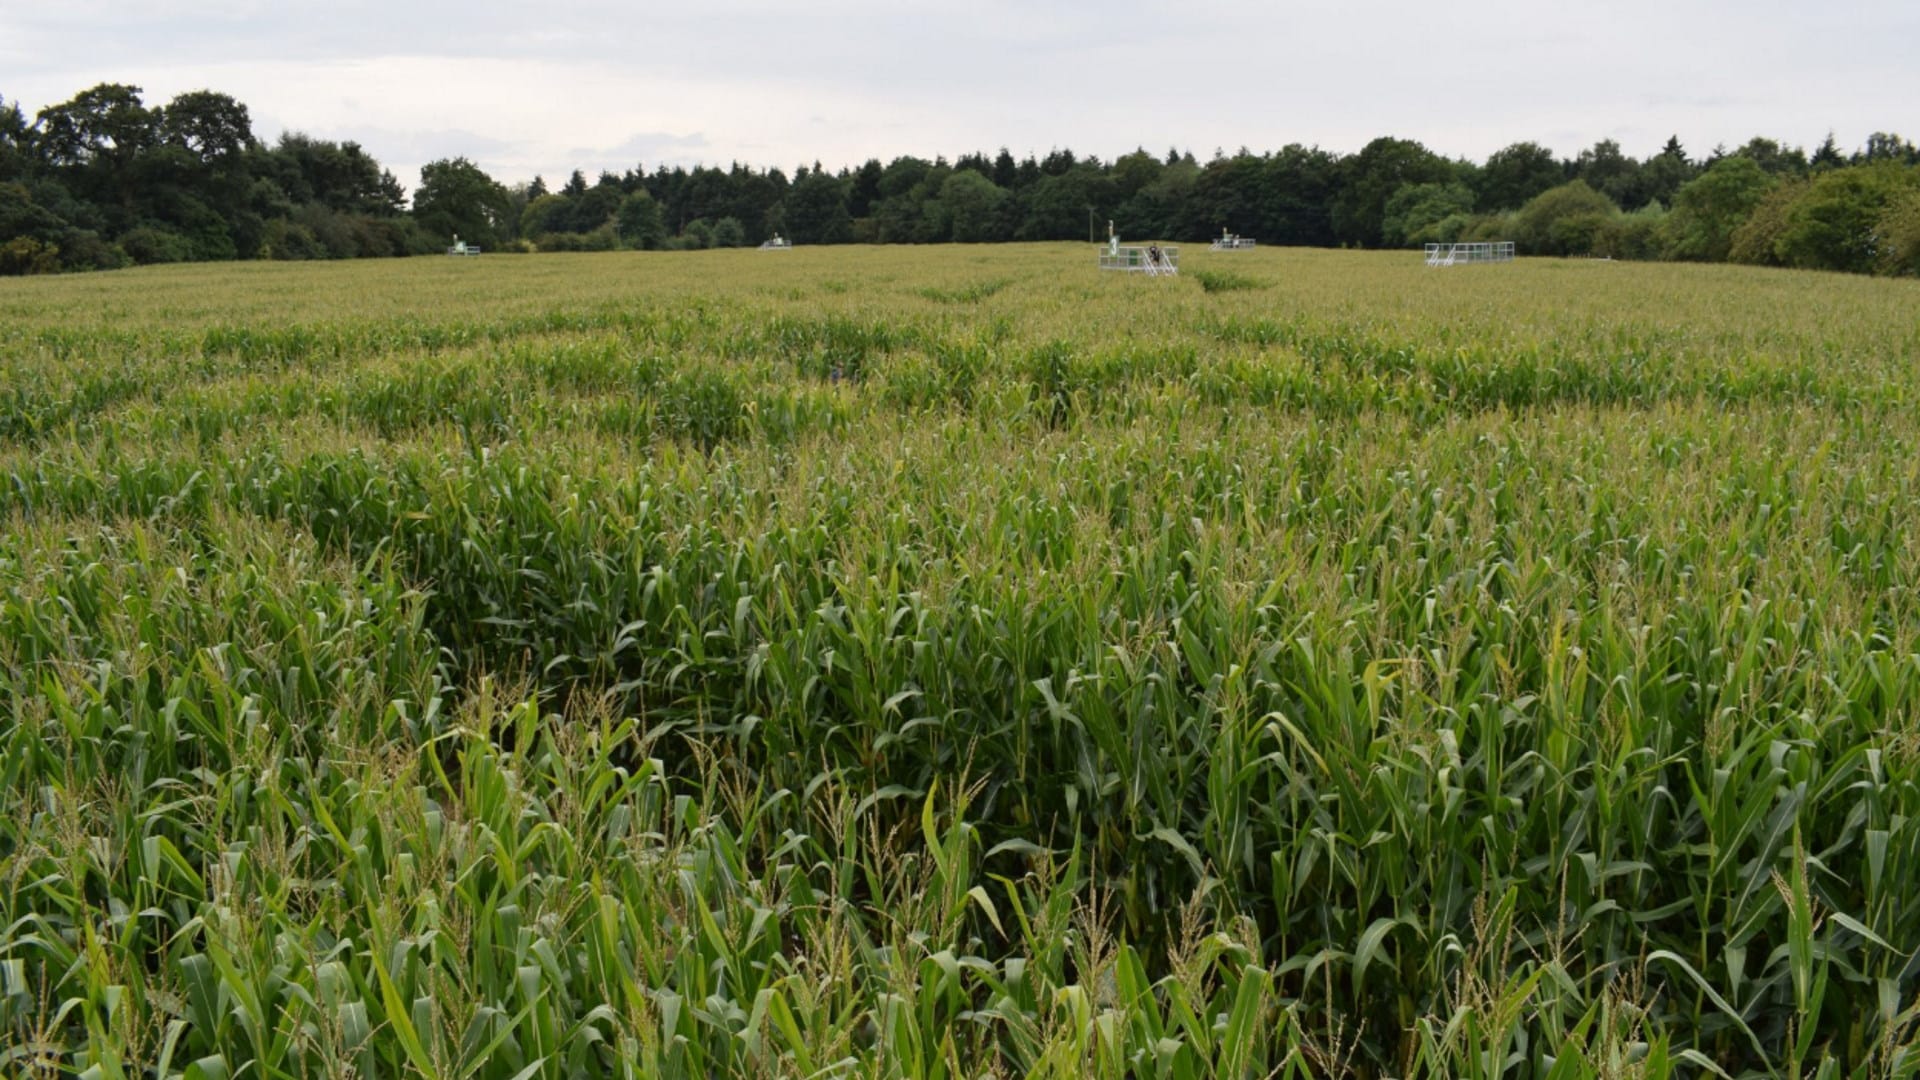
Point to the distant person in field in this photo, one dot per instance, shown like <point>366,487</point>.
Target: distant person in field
<point>1153,254</point>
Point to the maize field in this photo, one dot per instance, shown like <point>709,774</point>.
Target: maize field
<point>954,662</point>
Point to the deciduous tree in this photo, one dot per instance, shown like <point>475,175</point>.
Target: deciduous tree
<point>816,210</point>
<point>107,123</point>
<point>1427,213</point>
<point>970,204</point>
<point>1515,174</point>
<point>1563,221</point>
<point>1709,208</point>
<point>456,198</point>
<point>15,145</point>
<point>640,222</point>
<point>1833,225</point>
<point>213,127</point>
<point>1371,177</point>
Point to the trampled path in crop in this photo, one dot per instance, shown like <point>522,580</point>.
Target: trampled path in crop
<point>957,662</point>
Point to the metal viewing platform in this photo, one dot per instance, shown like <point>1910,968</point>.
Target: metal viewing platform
<point>1499,251</point>
<point>1153,260</point>
<point>1149,259</point>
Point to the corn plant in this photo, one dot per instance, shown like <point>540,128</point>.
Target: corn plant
<point>910,669</point>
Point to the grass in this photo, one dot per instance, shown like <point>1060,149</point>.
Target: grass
<point>879,664</point>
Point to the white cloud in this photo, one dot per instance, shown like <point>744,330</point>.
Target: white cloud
<point>525,89</point>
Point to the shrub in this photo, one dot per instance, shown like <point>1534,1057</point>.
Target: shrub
<point>1562,221</point>
<point>697,235</point>
<point>287,240</point>
<point>1708,210</point>
<point>1897,236</point>
<point>1638,235</point>
<point>1757,240</point>
<point>1418,213</point>
<point>639,221</point>
<point>1578,233</point>
<point>728,233</point>
<point>1484,228</point>
<point>601,239</point>
<point>546,214</point>
<point>1833,224</point>
<point>151,244</point>
<point>25,255</point>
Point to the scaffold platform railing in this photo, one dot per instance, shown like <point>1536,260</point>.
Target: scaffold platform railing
<point>1497,251</point>
<point>1152,260</point>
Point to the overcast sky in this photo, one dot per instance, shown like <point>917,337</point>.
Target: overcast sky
<point>532,87</point>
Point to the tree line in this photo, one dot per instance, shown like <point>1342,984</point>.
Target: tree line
<point>104,180</point>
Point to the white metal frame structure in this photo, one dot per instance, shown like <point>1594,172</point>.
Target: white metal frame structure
<point>1230,242</point>
<point>777,243</point>
<point>461,247</point>
<point>1498,251</point>
<point>1140,259</point>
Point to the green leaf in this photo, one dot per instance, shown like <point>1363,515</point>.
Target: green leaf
<point>1371,942</point>
<point>1712,995</point>
<point>400,1019</point>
